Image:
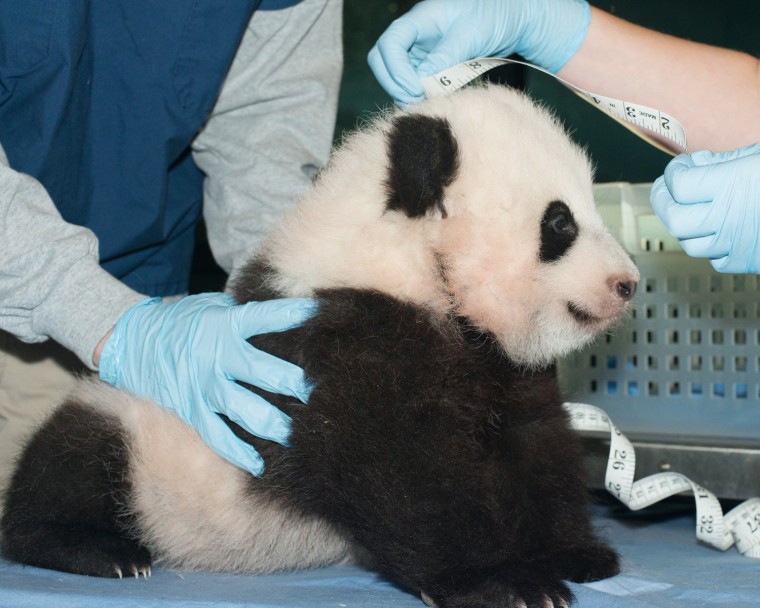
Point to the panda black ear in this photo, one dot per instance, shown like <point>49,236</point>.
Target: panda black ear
<point>424,158</point>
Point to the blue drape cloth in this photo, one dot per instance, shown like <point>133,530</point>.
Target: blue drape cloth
<point>663,567</point>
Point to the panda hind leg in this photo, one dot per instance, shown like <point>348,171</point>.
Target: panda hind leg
<point>79,550</point>
<point>67,504</point>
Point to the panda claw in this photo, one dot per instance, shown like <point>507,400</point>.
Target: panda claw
<point>427,600</point>
<point>548,602</point>
<point>134,571</point>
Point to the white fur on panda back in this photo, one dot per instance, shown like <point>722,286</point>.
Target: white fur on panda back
<point>196,511</point>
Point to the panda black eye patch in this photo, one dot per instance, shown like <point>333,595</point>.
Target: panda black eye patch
<point>558,232</point>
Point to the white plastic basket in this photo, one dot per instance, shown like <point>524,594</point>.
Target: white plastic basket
<point>686,365</point>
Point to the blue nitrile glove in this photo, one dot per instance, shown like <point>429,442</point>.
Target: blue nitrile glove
<point>711,203</point>
<point>438,34</point>
<point>186,356</point>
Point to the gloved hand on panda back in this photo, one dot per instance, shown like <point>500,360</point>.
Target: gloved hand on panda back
<point>711,203</point>
<point>186,356</point>
<point>437,34</point>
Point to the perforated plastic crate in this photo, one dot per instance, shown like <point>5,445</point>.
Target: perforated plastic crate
<point>685,367</point>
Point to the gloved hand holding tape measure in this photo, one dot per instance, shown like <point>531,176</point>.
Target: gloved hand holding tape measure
<point>437,34</point>
<point>709,201</point>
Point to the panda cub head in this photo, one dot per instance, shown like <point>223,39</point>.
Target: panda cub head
<point>476,205</point>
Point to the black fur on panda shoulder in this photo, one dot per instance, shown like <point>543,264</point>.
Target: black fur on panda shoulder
<point>455,469</point>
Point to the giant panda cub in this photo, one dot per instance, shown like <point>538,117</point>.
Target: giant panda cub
<point>455,251</point>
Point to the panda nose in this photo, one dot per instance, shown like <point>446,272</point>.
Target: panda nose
<point>625,289</point>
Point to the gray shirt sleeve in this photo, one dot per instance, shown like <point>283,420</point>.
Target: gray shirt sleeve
<point>51,283</point>
<point>272,126</point>
<point>269,133</point>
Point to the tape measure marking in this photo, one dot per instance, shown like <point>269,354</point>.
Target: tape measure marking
<point>635,117</point>
<point>740,526</point>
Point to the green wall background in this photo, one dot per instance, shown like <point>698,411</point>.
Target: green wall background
<point>617,153</point>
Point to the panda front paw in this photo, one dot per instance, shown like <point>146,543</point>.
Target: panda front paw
<point>586,564</point>
<point>547,595</point>
<point>525,594</point>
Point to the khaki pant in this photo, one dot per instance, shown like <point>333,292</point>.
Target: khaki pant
<point>34,378</point>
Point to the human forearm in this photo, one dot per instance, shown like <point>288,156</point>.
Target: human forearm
<point>714,92</point>
<point>51,284</point>
<point>99,348</point>
<point>81,309</point>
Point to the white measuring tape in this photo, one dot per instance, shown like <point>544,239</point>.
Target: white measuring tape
<point>670,136</point>
<point>740,526</point>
